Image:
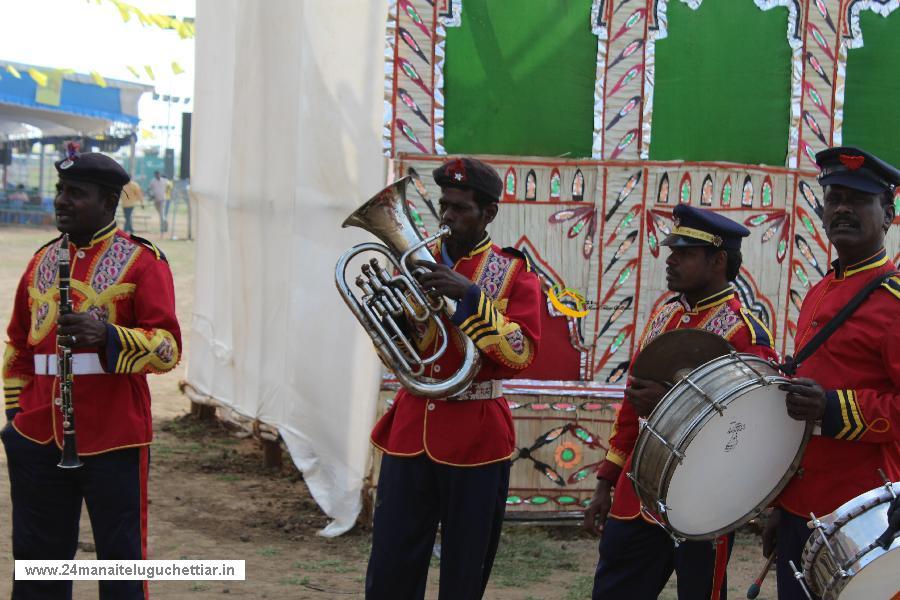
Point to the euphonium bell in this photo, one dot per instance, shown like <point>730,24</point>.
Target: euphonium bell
<point>386,301</point>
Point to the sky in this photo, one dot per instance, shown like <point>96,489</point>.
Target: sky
<point>90,35</point>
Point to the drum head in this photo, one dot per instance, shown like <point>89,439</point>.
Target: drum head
<point>879,579</point>
<point>674,354</point>
<point>734,463</point>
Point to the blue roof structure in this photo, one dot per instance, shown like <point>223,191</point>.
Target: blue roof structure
<point>81,106</point>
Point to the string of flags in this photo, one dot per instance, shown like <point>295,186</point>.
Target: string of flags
<point>173,99</point>
<point>184,27</point>
<point>41,77</point>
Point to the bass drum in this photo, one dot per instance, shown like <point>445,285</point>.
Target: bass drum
<point>718,448</point>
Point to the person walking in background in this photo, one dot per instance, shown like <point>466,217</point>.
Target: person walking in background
<point>157,190</point>
<point>18,198</point>
<point>131,196</point>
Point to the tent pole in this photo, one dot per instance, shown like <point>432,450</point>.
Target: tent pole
<point>41,172</point>
<point>131,157</point>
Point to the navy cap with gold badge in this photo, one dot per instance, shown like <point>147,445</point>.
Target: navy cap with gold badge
<point>469,174</point>
<point>856,169</point>
<point>91,167</point>
<point>700,227</point>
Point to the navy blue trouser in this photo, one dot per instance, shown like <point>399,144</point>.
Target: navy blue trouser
<point>792,534</point>
<point>414,496</point>
<point>637,559</point>
<point>46,507</point>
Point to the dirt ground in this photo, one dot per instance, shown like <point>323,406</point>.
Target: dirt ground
<point>211,498</point>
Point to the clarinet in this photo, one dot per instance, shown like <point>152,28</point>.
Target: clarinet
<point>69,458</point>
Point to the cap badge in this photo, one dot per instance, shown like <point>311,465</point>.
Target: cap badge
<point>457,171</point>
<point>71,155</point>
<point>852,162</point>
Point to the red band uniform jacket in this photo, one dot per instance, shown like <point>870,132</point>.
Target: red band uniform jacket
<point>122,281</point>
<point>500,313</point>
<point>859,368</point>
<point>722,314</point>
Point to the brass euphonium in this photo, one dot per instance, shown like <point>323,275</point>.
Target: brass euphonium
<point>386,301</point>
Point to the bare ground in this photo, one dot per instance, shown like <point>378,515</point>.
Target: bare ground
<point>211,498</point>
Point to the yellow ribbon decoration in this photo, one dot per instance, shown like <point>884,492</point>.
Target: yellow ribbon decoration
<point>557,293</point>
<point>39,78</point>
<point>98,79</point>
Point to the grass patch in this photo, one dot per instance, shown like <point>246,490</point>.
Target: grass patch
<point>295,581</point>
<point>580,588</point>
<point>529,556</point>
<point>269,551</point>
<point>324,566</point>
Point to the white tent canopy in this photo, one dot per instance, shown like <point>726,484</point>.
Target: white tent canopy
<point>286,143</point>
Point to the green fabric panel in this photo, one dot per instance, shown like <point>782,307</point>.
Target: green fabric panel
<point>871,109</point>
<point>723,84</point>
<point>519,78</point>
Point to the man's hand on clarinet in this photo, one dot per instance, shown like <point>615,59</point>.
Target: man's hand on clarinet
<point>80,330</point>
<point>644,394</point>
<point>596,512</point>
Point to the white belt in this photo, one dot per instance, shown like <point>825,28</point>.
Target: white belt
<point>480,390</point>
<point>82,364</point>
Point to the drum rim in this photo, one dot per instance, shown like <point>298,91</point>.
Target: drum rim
<point>703,416</point>
<point>841,516</point>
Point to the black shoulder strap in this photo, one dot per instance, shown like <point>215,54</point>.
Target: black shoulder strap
<point>791,364</point>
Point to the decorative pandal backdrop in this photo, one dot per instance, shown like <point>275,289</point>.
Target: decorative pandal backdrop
<point>601,116</point>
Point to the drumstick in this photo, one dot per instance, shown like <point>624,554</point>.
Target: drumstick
<point>753,590</point>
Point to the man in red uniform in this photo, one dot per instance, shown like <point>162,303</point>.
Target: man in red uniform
<point>849,385</point>
<point>446,461</point>
<point>637,556</point>
<point>122,327</point>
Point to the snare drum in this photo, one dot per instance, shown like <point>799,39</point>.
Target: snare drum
<point>718,448</point>
<point>841,557</point>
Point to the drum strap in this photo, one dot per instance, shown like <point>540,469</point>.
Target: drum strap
<point>792,363</point>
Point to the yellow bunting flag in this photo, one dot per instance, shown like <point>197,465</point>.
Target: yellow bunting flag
<point>149,70</point>
<point>98,79</point>
<point>146,134</point>
<point>176,68</point>
<point>134,71</point>
<point>124,10</point>
<point>162,21</point>
<point>144,19</point>
<point>39,78</point>
<point>13,71</point>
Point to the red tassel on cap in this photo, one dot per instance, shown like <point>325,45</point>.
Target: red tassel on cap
<point>72,149</point>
